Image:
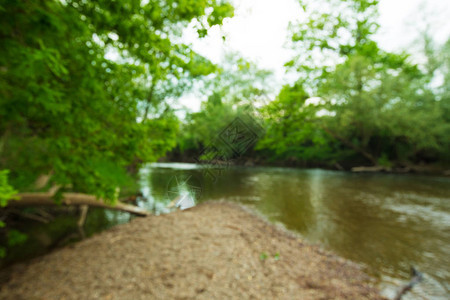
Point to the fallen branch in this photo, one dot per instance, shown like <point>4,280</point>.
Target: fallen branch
<point>46,199</point>
<point>44,214</point>
<point>369,169</point>
<point>30,216</point>
<point>416,278</point>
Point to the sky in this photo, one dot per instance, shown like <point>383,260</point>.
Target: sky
<point>259,31</point>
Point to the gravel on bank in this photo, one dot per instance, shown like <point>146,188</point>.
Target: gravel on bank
<point>212,251</point>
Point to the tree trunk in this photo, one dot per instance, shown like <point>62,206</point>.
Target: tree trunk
<point>45,199</point>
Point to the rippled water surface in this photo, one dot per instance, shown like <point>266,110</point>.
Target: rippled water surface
<point>385,222</point>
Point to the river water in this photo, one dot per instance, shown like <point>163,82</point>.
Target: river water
<point>385,222</point>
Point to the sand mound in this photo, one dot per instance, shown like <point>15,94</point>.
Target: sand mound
<point>212,251</point>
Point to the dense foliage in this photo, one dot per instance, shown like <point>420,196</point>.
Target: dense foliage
<point>83,86</point>
<point>353,103</point>
<point>366,105</point>
<point>234,90</point>
<point>86,89</point>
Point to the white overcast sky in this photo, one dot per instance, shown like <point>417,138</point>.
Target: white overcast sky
<point>259,32</point>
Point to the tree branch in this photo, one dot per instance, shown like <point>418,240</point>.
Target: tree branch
<point>351,145</point>
<point>46,199</point>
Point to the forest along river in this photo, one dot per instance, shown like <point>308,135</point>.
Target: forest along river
<point>385,222</point>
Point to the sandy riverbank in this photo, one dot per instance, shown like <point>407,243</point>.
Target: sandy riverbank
<point>212,251</point>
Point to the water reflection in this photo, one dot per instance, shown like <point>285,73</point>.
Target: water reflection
<point>386,222</point>
<point>62,230</point>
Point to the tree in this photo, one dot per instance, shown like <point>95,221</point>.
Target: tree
<point>371,103</point>
<point>232,91</point>
<point>290,133</point>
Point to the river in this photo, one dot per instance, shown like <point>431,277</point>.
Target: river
<point>385,222</point>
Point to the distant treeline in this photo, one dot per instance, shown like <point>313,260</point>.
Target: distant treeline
<point>353,103</point>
